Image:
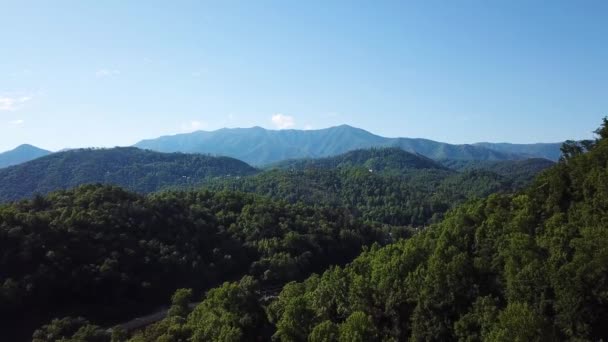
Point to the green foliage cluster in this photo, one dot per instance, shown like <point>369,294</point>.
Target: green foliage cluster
<point>107,254</point>
<point>134,169</point>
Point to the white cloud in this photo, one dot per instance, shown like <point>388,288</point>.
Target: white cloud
<point>282,121</point>
<point>17,122</point>
<point>194,125</point>
<point>107,73</point>
<point>12,103</point>
<point>308,127</point>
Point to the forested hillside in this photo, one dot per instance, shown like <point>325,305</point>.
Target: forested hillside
<point>129,167</point>
<point>388,159</point>
<point>521,172</point>
<point>531,266</point>
<point>386,185</point>
<point>107,254</point>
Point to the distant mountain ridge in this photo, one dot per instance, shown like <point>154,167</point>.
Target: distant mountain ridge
<point>128,167</point>
<point>549,151</point>
<point>259,146</point>
<point>21,154</point>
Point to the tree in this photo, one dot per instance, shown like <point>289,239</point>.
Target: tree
<point>180,302</point>
<point>519,323</point>
<point>326,331</point>
<point>358,327</point>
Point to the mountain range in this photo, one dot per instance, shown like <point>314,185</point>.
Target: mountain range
<point>259,146</point>
<point>21,154</point>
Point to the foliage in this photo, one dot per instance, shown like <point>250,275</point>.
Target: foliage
<point>107,254</point>
<point>525,267</point>
<point>128,167</point>
<point>70,329</point>
<point>383,185</point>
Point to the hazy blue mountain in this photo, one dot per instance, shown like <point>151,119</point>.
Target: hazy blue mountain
<point>21,154</point>
<point>438,150</point>
<point>376,159</point>
<point>129,167</point>
<point>259,146</point>
<point>549,151</point>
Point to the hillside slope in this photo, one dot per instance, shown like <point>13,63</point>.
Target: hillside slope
<point>520,171</point>
<point>526,267</point>
<point>132,168</point>
<point>375,159</point>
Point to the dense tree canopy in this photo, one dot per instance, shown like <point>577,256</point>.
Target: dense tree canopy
<point>407,198</point>
<point>134,169</point>
<point>525,266</point>
<point>530,266</point>
<point>106,254</point>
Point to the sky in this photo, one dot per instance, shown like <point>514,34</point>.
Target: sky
<point>113,72</point>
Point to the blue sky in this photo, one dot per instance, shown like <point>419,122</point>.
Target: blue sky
<point>107,73</point>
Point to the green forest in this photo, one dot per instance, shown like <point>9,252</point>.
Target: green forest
<point>324,251</point>
<point>386,185</point>
<point>129,167</point>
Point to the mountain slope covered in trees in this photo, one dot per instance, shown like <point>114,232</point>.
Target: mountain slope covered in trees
<point>374,159</point>
<point>386,185</point>
<point>129,167</point>
<point>21,154</point>
<point>530,266</point>
<point>521,172</point>
<point>259,146</point>
<point>107,254</point>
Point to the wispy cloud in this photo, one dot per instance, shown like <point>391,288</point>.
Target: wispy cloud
<point>17,122</point>
<point>282,121</point>
<point>101,73</point>
<point>13,103</point>
<point>308,127</point>
<point>194,125</point>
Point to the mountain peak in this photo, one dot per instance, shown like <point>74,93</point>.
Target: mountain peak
<point>27,147</point>
<point>21,154</point>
